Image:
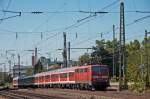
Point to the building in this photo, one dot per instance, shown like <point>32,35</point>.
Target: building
<point>23,70</point>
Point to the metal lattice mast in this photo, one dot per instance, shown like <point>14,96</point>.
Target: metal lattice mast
<point>65,51</point>
<point>122,55</point>
<point>19,74</point>
<point>68,54</point>
<point>114,70</point>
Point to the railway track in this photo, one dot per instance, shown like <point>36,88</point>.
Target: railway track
<point>9,95</point>
<point>55,93</point>
<point>25,95</point>
<point>85,93</point>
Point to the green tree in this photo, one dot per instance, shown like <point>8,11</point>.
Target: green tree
<point>134,63</point>
<point>54,66</point>
<point>5,78</point>
<point>84,59</point>
<point>102,53</point>
<point>133,60</point>
<point>29,72</point>
<point>38,67</point>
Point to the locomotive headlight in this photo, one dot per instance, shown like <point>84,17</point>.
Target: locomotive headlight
<point>104,76</point>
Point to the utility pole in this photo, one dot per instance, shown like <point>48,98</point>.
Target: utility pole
<point>19,65</point>
<point>65,51</point>
<point>4,72</point>
<point>114,51</point>
<point>122,50</point>
<point>146,59</point>
<point>9,66</point>
<point>36,56</point>
<point>69,53</point>
<point>35,60</point>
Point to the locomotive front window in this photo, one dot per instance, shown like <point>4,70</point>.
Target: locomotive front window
<point>96,69</point>
<point>103,69</point>
<point>99,69</point>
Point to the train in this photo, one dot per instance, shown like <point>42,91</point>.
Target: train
<point>90,77</point>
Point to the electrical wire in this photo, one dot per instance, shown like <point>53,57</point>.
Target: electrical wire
<point>81,11</point>
<point>9,2</point>
<point>76,24</point>
<point>100,16</point>
<point>53,14</point>
<point>135,21</point>
<point>113,3</point>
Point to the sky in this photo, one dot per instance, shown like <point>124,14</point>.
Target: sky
<point>45,30</point>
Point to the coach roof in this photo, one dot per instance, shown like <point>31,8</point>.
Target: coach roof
<point>63,70</point>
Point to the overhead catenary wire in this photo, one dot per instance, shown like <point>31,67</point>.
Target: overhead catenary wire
<point>40,32</point>
<point>87,19</point>
<point>9,2</point>
<point>101,9</point>
<point>10,17</point>
<point>53,14</point>
<point>108,32</point>
<point>91,17</point>
<point>80,11</point>
<point>74,25</point>
<point>138,20</point>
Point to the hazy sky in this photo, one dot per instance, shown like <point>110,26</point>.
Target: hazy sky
<point>24,32</point>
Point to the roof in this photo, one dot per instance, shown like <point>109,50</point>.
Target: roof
<point>63,70</point>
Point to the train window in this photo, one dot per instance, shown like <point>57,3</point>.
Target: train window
<point>77,70</point>
<point>63,75</point>
<point>42,77</point>
<point>52,76</point>
<point>47,77</point>
<point>103,69</point>
<point>85,70</point>
<point>99,69</point>
<point>81,70</point>
<point>71,74</point>
<point>96,69</point>
<point>55,75</point>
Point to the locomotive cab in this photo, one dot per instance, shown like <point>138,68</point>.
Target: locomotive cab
<point>100,76</point>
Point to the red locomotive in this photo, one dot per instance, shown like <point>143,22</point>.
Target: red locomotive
<point>81,77</point>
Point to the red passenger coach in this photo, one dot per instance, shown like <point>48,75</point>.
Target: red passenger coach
<point>60,77</point>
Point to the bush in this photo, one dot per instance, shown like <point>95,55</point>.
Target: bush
<point>138,87</point>
<point>2,84</point>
